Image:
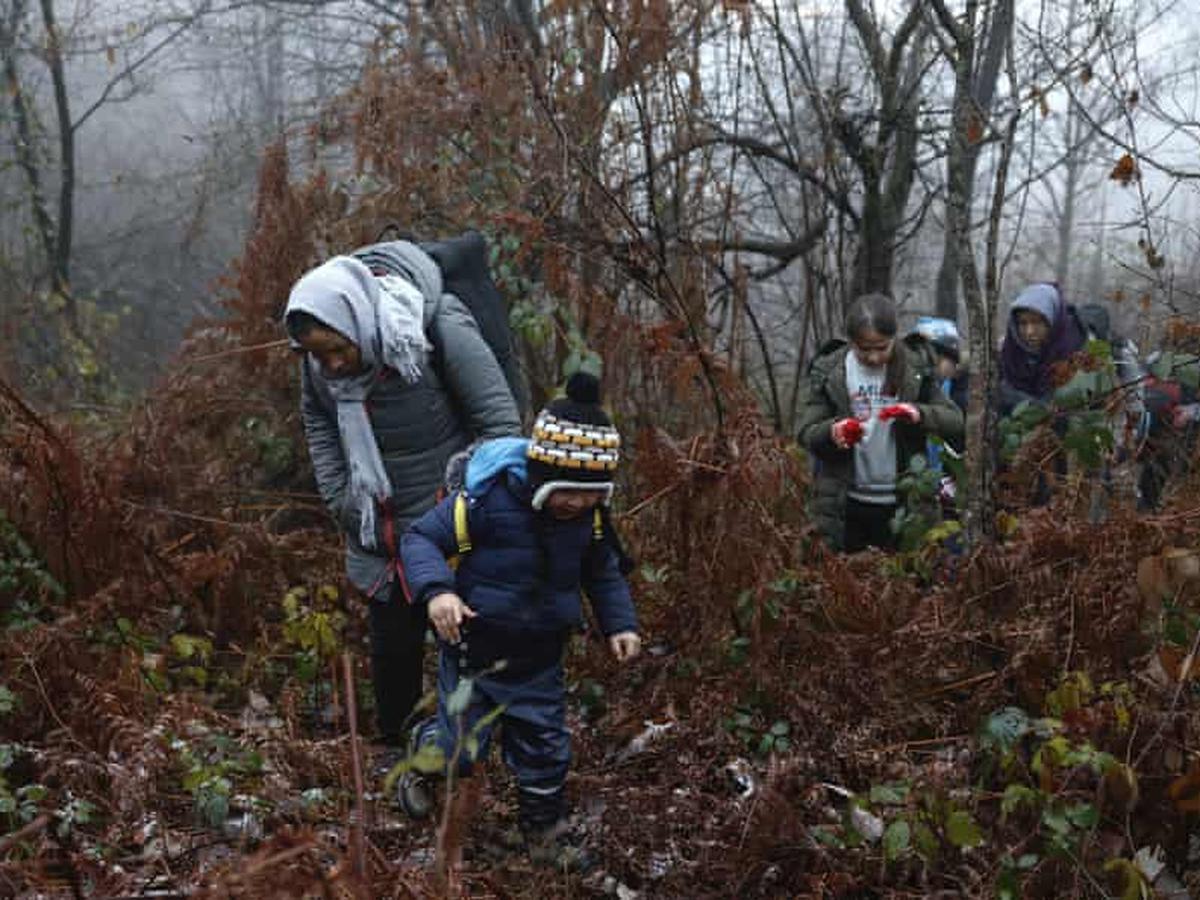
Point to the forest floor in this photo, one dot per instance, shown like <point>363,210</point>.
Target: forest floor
<point>1025,726</point>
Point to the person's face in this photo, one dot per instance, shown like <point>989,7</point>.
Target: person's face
<point>872,349</point>
<point>336,354</point>
<point>946,367</point>
<point>1032,328</point>
<point>570,503</point>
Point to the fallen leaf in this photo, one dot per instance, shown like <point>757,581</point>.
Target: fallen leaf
<point>1152,580</point>
<point>1174,659</point>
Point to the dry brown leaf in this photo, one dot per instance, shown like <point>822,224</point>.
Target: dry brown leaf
<point>1185,790</point>
<point>1174,659</point>
<point>974,129</point>
<point>1125,171</point>
<point>1152,580</point>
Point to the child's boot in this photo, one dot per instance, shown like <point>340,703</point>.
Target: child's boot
<point>415,790</point>
<point>557,848</point>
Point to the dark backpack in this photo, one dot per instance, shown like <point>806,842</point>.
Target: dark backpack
<point>463,261</point>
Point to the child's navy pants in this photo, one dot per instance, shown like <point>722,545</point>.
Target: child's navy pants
<point>529,705</point>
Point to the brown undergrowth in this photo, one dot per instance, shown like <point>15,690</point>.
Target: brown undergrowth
<point>880,678</point>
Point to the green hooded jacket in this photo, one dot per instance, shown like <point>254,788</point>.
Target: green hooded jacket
<point>826,399</point>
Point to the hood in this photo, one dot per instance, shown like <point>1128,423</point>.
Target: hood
<point>410,262</point>
<point>1044,299</point>
<point>1022,367</point>
<point>493,458</point>
<point>342,294</point>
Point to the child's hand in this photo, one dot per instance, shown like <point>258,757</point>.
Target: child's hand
<point>905,411</point>
<point>625,645</point>
<point>846,433</point>
<point>447,612</point>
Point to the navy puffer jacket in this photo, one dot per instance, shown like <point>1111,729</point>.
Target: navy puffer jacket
<point>525,571</point>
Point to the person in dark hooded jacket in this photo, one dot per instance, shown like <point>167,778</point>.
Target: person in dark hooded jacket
<point>531,534</point>
<point>382,420</point>
<point>1042,330</point>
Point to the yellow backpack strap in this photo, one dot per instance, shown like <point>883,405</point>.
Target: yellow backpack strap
<point>462,535</point>
<point>597,525</point>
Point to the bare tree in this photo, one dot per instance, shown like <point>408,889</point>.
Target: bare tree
<point>47,154</point>
<point>962,158</point>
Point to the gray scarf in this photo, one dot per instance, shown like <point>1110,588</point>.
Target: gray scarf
<point>385,318</point>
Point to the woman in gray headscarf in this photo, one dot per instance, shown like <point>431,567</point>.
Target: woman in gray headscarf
<point>382,420</point>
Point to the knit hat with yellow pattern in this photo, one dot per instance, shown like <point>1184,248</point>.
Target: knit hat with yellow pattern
<point>574,443</point>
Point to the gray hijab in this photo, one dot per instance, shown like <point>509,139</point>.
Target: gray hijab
<point>384,317</point>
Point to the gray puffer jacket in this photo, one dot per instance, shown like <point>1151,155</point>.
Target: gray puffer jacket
<point>462,398</point>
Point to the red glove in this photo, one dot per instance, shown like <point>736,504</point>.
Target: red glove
<point>900,411</point>
<point>847,432</point>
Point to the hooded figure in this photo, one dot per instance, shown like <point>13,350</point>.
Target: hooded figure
<point>528,538</point>
<point>1042,330</point>
<point>382,420</point>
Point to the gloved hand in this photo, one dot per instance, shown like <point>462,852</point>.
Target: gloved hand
<point>846,432</point>
<point>905,411</point>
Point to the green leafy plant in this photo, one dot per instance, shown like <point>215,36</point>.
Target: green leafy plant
<point>122,632</point>
<point>428,758</point>
<point>1018,426</point>
<point>1077,411</point>
<point>212,766</point>
<point>919,509</point>
<point>313,628</point>
<point>923,533</point>
<point>748,604</point>
<point>24,580</point>
<point>1179,624</point>
<point>18,805</point>
<point>193,654</point>
<point>72,814</point>
<point>275,452</point>
<point>758,733</point>
<point>21,805</point>
<point>923,823</point>
<point>1045,771</point>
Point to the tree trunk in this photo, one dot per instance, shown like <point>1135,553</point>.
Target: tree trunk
<point>978,519</point>
<point>888,161</point>
<point>26,150</point>
<point>876,246</point>
<point>966,156</point>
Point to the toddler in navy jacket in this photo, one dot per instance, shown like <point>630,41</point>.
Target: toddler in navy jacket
<point>537,537</point>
